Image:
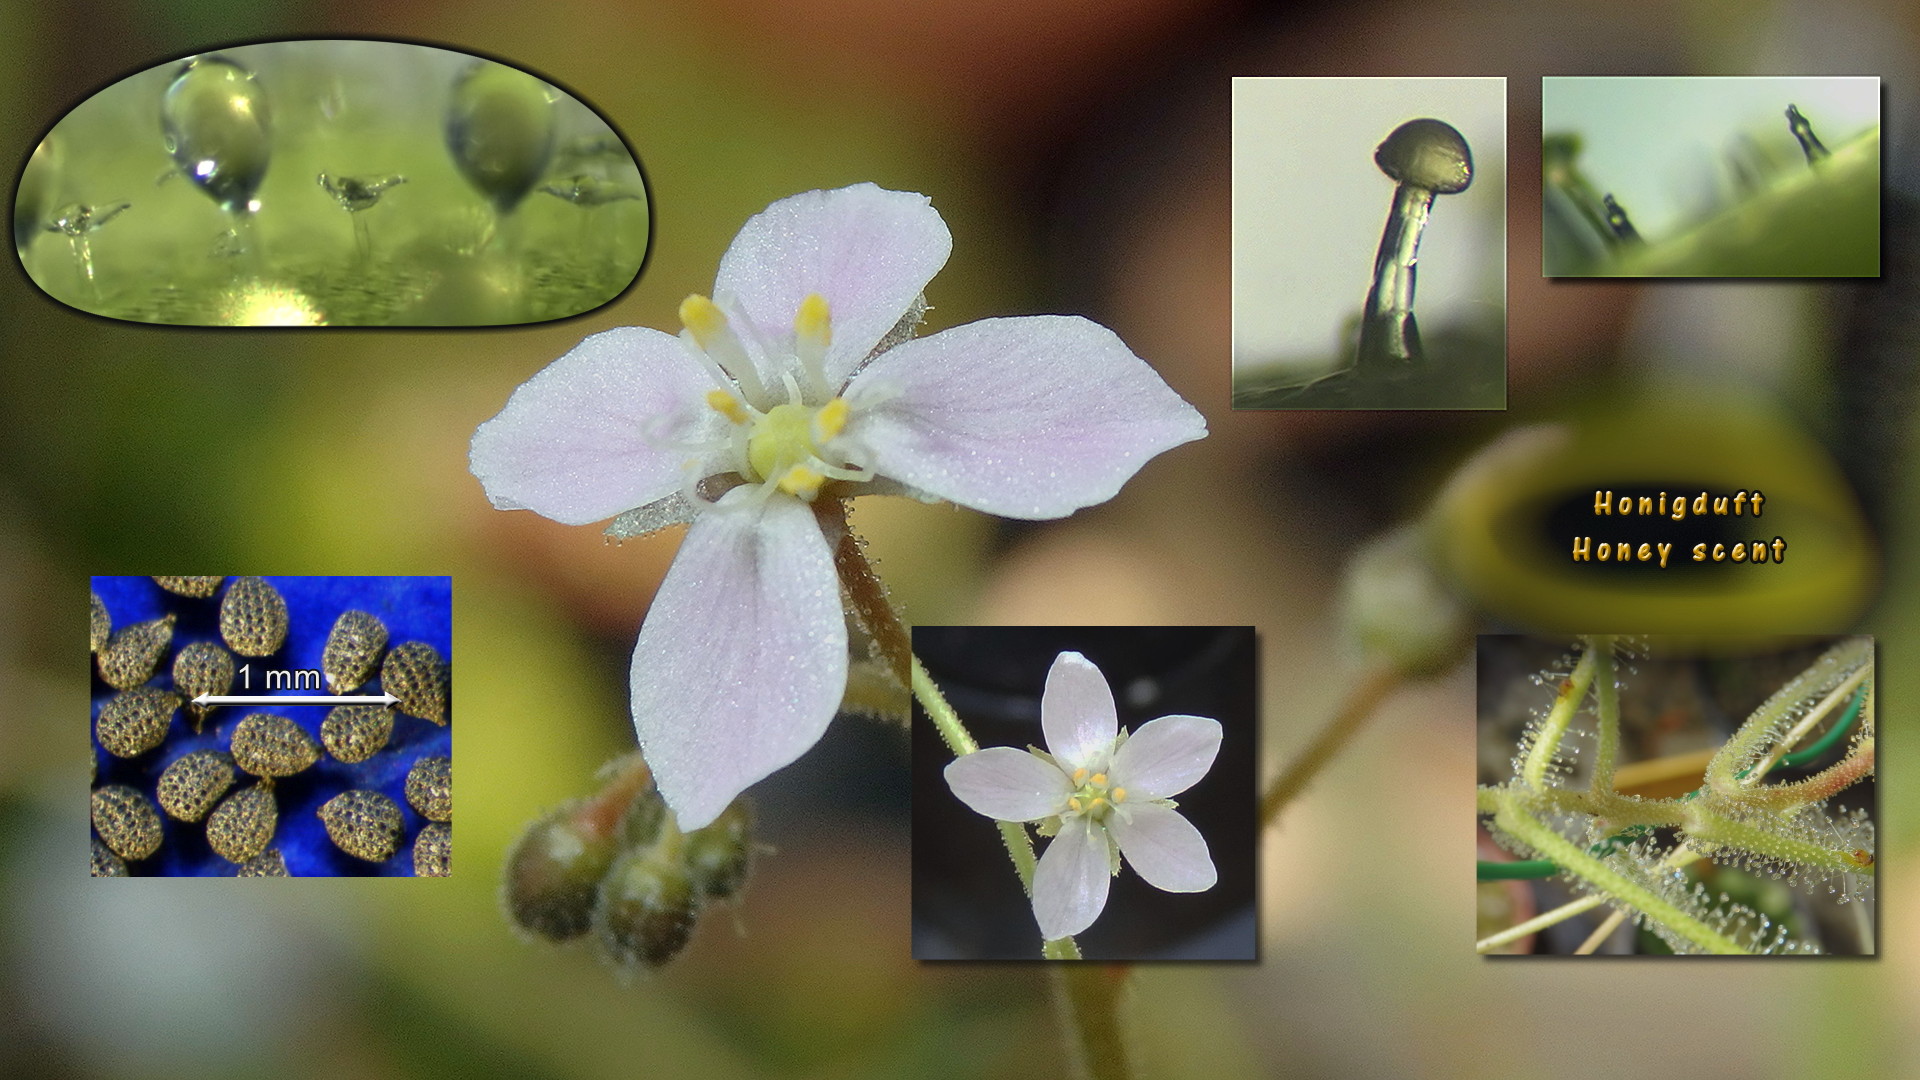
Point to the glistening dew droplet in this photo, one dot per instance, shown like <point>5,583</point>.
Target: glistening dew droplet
<point>500,128</point>
<point>353,651</point>
<point>364,824</point>
<point>354,733</point>
<point>253,617</point>
<point>266,744</point>
<point>414,674</point>
<point>433,850</point>
<point>191,786</point>
<point>126,821</point>
<point>430,788</point>
<point>132,654</point>
<point>136,721</point>
<point>242,826</point>
<point>214,119</point>
<point>191,586</point>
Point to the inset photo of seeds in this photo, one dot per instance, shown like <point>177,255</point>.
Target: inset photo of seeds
<point>336,183</point>
<point>272,726</point>
<point>1762,176</point>
<point>1084,793</point>
<point>1657,796</point>
<point>1345,190</point>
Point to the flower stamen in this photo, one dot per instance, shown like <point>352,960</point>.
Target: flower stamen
<point>812,333</point>
<point>714,339</point>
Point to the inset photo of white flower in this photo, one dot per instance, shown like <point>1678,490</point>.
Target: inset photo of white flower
<point>1123,759</point>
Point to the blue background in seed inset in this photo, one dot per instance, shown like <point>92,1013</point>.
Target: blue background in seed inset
<point>413,609</point>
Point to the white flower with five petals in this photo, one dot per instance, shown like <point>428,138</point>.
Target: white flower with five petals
<point>1109,790</point>
<point>801,379</point>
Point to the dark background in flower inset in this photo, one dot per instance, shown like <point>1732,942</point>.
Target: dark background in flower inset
<point>967,901</point>
<point>413,609</point>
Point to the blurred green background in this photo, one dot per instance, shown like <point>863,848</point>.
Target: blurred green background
<point>1080,152</point>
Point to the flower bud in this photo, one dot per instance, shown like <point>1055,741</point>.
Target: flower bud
<point>1394,605</point>
<point>645,911</point>
<point>553,872</point>
<point>718,856</point>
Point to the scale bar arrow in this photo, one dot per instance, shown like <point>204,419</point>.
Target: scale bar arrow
<point>294,699</point>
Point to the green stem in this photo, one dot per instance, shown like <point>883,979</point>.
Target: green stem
<point>1605,879</point>
<point>1329,742</point>
<point>1606,693</point>
<point>1014,835</point>
<point>1547,739</point>
<point>1089,1000</point>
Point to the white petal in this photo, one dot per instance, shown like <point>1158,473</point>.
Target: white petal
<point>588,437</point>
<point>868,251</point>
<point>1070,884</point>
<point>1008,785</point>
<point>1164,848</point>
<point>1076,712</point>
<point>1026,418</point>
<point>743,657</point>
<point>1166,756</point>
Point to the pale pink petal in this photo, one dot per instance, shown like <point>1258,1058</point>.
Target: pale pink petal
<point>1070,884</point>
<point>1077,714</point>
<point>867,250</point>
<point>595,432</point>
<point>1166,756</point>
<point>1026,418</point>
<point>1009,785</point>
<point>1163,847</point>
<point>743,658</point>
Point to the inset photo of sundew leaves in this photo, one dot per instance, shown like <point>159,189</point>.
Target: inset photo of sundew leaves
<point>272,726</point>
<point>1655,796</point>
<point>1342,189</point>
<point>340,183</point>
<point>1711,177</point>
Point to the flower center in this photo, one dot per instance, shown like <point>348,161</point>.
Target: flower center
<point>1094,795</point>
<point>785,446</point>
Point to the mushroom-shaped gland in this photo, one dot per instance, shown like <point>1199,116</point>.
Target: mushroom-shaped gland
<point>1802,129</point>
<point>1426,158</point>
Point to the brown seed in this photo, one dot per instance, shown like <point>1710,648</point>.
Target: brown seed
<point>191,586</point>
<point>202,668</point>
<point>266,744</point>
<point>253,617</point>
<point>242,826</point>
<point>353,651</point>
<point>269,863</point>
<point>102,624</point>
<point>364,824</point>
<point>126,821</point>
<point>136,721</point>
<point>414,674</point>
<point>131,654</point>
<point>354,733</point>
<point>430,788</point>
<point>191,786</point>
<point>106,863</point>
<point>433,850</point>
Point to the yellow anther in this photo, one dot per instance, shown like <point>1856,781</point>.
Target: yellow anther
<point>704,318</point>
<point>830,420</point>
<point>1119,794</point>
<point>802,482</point>
<point>727,405</point>
<point>1079,777</point>
<point>1100,778</point>
<point>1098,802</point>
<point>814,324</point>
<point>1074,804</point>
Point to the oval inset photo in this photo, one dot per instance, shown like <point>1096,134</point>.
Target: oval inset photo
<point>339,183</point>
